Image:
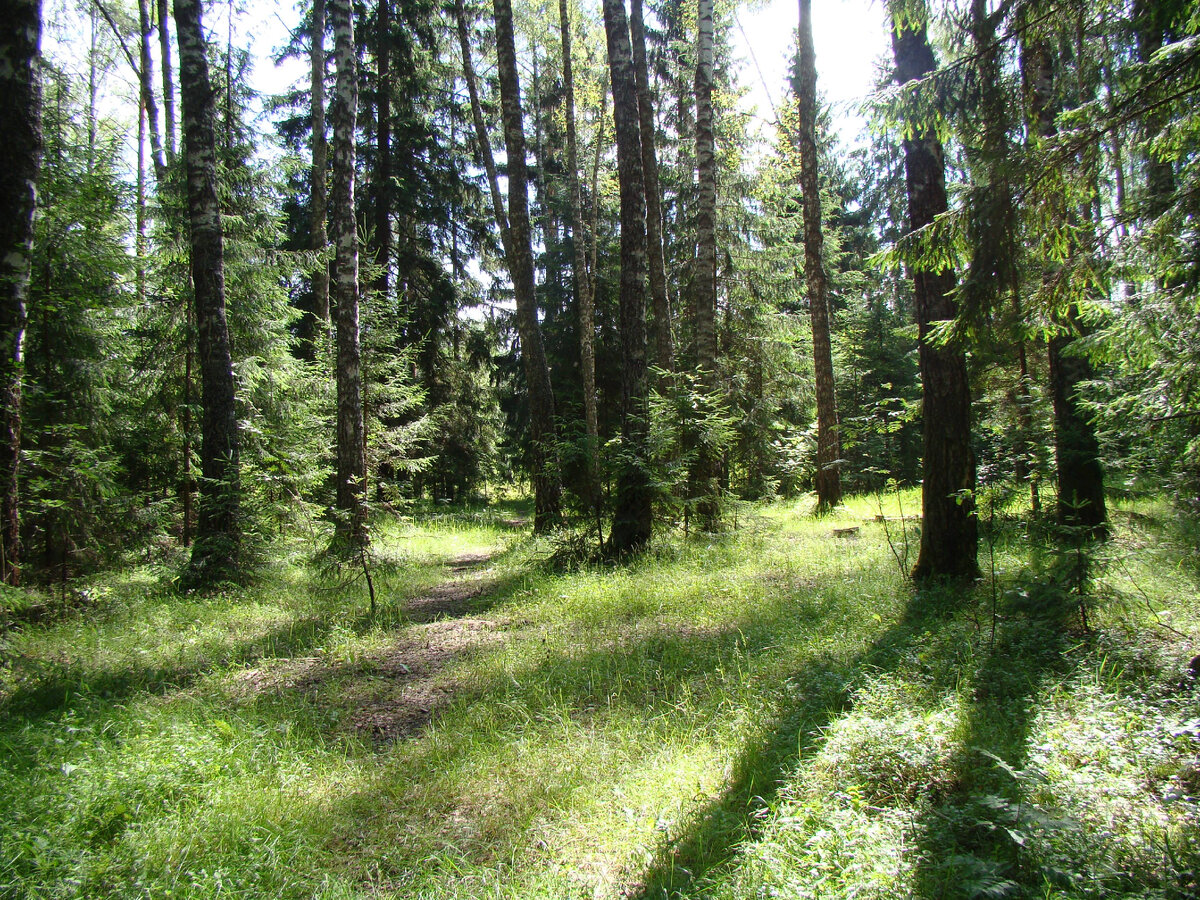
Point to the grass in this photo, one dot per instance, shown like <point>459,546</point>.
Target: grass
<point>772,712</point>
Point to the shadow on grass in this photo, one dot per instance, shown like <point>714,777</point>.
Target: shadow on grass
<point>821,692</point>
<point>970,842</point>
<point>43,687</point>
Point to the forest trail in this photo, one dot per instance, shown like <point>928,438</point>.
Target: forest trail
<point>394,691</point>
<point>411,674</point>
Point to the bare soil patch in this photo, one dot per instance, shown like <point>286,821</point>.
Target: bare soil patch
<point>393,694</point>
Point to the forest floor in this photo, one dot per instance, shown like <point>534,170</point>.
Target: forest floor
<point>770,712</point>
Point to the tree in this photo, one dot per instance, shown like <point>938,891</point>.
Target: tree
<point>519,254</point>
<point>1076,449</point>
<point>351,436</point>
<point>949,535</point>
<point>383,153</point>
<point>218,533</point>
<point>164,47</point>
<point>660,306</point>
<point>704,274</point>
<point>319,238</point>
<point>829,451</point>
<point>20,161</point>
<point>579,271</point>
<point>632,518</point>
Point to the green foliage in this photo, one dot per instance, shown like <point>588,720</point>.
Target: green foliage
<point>765,711</point>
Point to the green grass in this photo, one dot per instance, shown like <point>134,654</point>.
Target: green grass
<point>769,712</point>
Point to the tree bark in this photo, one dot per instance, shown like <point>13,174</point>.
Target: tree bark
<point>1081,502</point>
<point>218,532</point>
<point>706,474</point>
<point>829,444</point>
<point>320,160</point>
<point>164,47</point>
<point>148,102</point>
<point>660,306</point>
<point>20,166</point>
<point>632,519</point>
<point>579,271</point>
<point>383,135</point>
<point>949,535</point>
<point>351,433</point>
<point>481,136</point>
<point>546,488</point>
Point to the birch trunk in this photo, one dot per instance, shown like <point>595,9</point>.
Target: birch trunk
<point>218,535</point>
<point>20,165</point>
<point>164,48</point>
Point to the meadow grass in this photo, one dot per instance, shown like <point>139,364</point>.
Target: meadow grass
<point>772,711</point>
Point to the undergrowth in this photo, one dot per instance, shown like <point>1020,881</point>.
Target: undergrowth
<point>770,712</point>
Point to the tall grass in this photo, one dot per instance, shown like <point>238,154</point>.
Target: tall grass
<point>768,712</point>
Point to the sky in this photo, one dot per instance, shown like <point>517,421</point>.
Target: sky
<point>849,37</point>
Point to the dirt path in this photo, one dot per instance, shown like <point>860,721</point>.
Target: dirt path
<point>393,693</point>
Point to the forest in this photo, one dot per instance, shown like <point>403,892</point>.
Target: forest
<point>492,467</point>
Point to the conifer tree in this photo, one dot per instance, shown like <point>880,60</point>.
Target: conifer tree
<point>351,436</point>
<point>828,475</point>
<point>632,519</point>
<point>949,534</point>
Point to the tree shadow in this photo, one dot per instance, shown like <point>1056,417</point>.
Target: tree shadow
<point>45,686</point>
<point>820,693</point>
<point>970,840</point>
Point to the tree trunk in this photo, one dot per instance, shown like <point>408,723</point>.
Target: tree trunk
<point>20,165</point>
<point>579,271</point>
<point>660,306</point>
<point>705,476</point>
<point>546,488</point>
<point>148,101</point>
<point>829,444</point>
<point>383,135</point>
<point>218,532</point>
<point>949,536</point>
<point>632,519</point>
<point>481,136</point>
<point>320,275</point>
<point>1076,450</point>
<point>164,47</point>
<point>351,434</point>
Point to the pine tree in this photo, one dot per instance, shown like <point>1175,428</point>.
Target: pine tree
<point>829,451</point>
